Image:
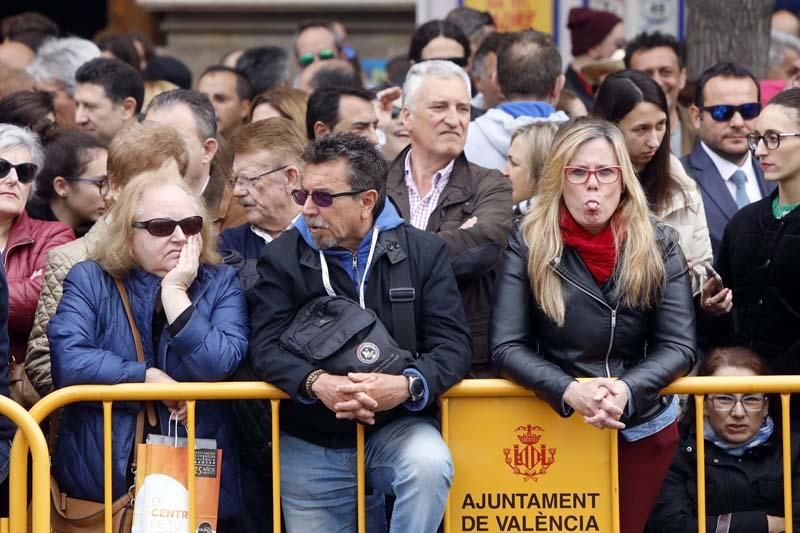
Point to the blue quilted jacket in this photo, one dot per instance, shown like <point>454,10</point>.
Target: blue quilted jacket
<point>91,343</point>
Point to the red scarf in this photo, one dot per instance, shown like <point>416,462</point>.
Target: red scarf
<point>596,250</point>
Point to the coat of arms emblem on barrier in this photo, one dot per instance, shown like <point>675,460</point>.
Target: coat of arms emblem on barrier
<point>529,459</point>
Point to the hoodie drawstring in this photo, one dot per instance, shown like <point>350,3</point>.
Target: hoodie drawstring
<point>326,277</point>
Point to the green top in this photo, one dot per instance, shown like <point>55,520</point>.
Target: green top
<point>779,211</point>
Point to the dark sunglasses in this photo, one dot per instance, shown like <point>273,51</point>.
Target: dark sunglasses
<point>163,227</point>
<point>309,57</point>
<point>724,112</point>
<point>460,61</point>
<point>25,171</point>
<point>320,198</point>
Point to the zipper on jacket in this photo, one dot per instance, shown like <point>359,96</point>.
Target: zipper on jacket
<point>603,302</point>
<point>15,245</point>
<point>355,269</point>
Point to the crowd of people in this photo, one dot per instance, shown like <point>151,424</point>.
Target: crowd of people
<point>486,212</point>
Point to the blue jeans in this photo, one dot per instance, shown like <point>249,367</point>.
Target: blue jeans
<point>407,459</point>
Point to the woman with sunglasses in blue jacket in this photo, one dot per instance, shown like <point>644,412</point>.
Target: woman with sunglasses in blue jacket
<point>192,317</point>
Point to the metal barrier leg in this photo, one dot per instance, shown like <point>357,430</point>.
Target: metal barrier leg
<point>445,413</point>
<point>615,523</point>
<point>701,463</point>
<point>191,451</point>
<point>276,466</point>
<point>787,462</point>
<point>361,479</point>
<point>107,496</point>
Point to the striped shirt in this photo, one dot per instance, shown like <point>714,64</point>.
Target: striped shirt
<point>422,208</point>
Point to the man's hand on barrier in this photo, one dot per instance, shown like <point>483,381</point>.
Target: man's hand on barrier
<point>345,405</point>
<point>387,390</point>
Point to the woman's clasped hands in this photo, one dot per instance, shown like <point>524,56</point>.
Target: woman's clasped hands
<point>601,401</point>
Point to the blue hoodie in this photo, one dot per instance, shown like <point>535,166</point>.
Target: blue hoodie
<point>387,219</point>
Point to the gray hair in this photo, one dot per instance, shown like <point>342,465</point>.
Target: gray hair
<point>779,42</point>
<point>58,59</point>
<point>12,136</point>
<point>438,68</point>
<point>199,105</point>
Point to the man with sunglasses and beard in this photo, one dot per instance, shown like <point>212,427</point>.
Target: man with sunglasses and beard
<point>727,102</point>
<point>352,243</point>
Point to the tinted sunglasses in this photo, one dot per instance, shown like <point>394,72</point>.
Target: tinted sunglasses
<point>309,57</point>
<point>164,227</point>
<point>724,112</point>
<point>25,171</point>
<point>320,198</point>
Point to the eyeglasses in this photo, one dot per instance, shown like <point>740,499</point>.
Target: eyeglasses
<point>580,175</point>
<point>25,171</point>
<point>309,57</point>
<point>164,227</point>
<point>100,181</point>
<point>727,402</point>
<point>725,112</point>
<point>321,198</point>
<point>772,139</point>
<point>246,179</point>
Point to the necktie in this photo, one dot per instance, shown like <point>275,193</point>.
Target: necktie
<point>738,178</point>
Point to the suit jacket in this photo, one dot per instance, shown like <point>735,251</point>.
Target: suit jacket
<point>717,200</point>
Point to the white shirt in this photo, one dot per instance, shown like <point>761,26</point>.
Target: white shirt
<point>726,170</point>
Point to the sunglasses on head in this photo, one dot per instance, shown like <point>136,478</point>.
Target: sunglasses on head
<point>164,227</point>
<point>725,112</point>
<point>320,198</point>
<point>309,57</point>
<point>25,171</point>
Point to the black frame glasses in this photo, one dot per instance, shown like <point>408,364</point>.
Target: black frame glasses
<point>309,57</point>
<point>321,198</point>
<point>751,403</point>
<point>251,180</point>
<point>100,181</point>
<point>725,112</point>
<point>26,172</point>
<point>604,175</point>
<point>164,227</point>
<point>772,139</point>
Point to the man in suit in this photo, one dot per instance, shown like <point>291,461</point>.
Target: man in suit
<point>727,102</point>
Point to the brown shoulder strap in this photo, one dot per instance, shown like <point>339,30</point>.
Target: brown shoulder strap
<point>137,341</point>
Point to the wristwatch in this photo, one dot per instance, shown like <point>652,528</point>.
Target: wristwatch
<point>416,388</point>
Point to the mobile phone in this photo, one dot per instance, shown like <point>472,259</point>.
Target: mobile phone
<point>714,274</point>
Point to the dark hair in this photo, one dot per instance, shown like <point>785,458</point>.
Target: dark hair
<point>430,31</point>
<point>265,66</point>
<point>66,154</point>
<point>528,65</point>
<point>28,109</point>
<point>789,98</point>
<point>726,70</point>
<point>121,47</point>
<point>323,106</point>
<point>490,44</point>
<point>396,70</point>
<point>471,21</point>
<point>366,167</point>
<point>118,79</point>
<point>617,96</point>
<point>243,89</point>
<point>315,23</point>
<point>168,69</point>
<point>29,28</point>
<point>199,105</point>
<point>647,41</point>
<point>332,75</point>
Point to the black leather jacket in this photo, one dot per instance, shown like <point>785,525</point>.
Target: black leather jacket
<point>600,337</point>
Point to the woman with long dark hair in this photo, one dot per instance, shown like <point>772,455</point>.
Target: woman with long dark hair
<point>637,105</point>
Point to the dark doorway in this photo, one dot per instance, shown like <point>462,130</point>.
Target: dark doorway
<point>83,18</point>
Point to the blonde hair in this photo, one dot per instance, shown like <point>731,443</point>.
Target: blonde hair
<point>113,249</point>
<point>640,265</point>
<point>144,147</point>
<point>537,138</point>
<point>290,103</point>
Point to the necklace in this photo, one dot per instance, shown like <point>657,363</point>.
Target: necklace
<point>780,211</point>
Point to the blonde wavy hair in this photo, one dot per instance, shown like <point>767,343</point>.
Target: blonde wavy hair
<point>113,249</point>
<point>640,266</point>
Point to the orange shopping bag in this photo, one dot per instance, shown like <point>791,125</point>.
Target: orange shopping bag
<point>162,499</point>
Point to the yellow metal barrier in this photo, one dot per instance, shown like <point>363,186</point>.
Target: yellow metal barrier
<point>41,467</point>
<point>190,392</point>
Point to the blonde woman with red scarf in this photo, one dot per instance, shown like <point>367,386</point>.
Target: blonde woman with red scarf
<point>592,286</point>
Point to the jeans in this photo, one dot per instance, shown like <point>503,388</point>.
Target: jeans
<point>407,459</point>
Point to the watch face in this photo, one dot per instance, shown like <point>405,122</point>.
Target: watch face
<point>415,387</point>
